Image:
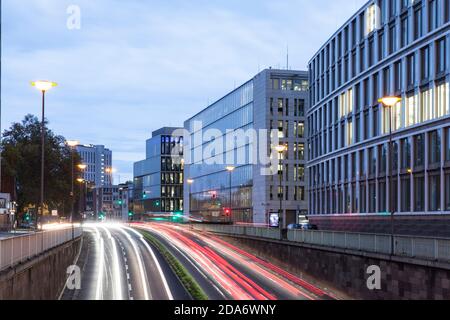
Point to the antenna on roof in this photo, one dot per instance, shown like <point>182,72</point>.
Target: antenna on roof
<point>287,57</point>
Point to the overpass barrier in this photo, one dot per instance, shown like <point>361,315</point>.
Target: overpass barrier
<point>18,249</point>
<point>425,248</point>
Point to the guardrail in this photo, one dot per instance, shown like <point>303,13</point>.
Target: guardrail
<point>19,249</point>
<point>425,248</point>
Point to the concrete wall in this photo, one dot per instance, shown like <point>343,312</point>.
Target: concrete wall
<point>347,272</point>
<point>43,278</point>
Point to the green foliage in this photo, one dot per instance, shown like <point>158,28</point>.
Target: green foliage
<point>185,277</point>
<point>22,160</point>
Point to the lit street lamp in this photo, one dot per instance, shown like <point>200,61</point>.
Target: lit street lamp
<point>281,149</point>
<point>42,86</point>
<point>391,102</point>
<point>230,170</point>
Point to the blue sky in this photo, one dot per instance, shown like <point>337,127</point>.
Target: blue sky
<point>138,65</point>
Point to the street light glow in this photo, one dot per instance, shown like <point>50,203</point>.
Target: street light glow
<point>230,168</point>
<point>82,166</point>
<point>390,101</point>
<point>80,180</point>
<point>72,143</point>
<point>43,85</point>
<point>281,148</point>
<point>190,181</point>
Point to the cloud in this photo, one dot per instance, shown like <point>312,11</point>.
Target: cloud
<point>136,66</point>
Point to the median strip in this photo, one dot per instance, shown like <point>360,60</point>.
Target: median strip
<point>185,277</point>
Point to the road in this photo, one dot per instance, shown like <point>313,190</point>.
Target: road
<point>118,264</point>
<point>227,272</point>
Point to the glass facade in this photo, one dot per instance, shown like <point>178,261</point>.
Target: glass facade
<point>273,100</point>
<point>358,124</point>
<point>158,180</point>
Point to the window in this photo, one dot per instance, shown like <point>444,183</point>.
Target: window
<point>432,14</point>
<point>398,77</point>
<point>382,196</point>
<point>406,194</point>
<point>435,147</point>
<point>411,65</point>
<point>425,63</point>
<point>419,194</point>
<point>372,161</point>
<point>418,22</point>
<point>404,30</point>
<point>392,38</point>
<point>405,154</point>
<point>442,95</point>
<point>371,19</point>
<point>447,191</point>
<point>434,196</point>
<point>382,151</point>
<point>419,150</point>
<point>447,144</point>
<point>441,56</point>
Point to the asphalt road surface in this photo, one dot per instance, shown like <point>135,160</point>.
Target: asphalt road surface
<point>116,263</point>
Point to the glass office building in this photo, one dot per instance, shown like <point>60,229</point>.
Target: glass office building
<point>388,48</point>
<point>273,99</point>
<point>158,180</point>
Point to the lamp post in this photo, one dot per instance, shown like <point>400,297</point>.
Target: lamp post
<point>281,149</point>
<point>72,144</point>
<point>43,86</point>
<point>391,102</point>
<point>230,170</point>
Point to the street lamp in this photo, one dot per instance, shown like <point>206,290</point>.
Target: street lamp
<point>390,102</point>
<point>43,86</point>
<point>72,144</point>
<point>230,170</point>
<point>281,149</point>
<point>190,182</point>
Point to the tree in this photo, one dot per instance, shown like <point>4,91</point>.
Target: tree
<point>22,160</point>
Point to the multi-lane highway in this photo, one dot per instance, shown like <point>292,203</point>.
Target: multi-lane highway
<point>117,263</point>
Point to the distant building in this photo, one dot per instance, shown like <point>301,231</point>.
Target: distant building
<point>158,180</point>
<point>99,164</point>
<point>387,48</point>
<point>272,100</point>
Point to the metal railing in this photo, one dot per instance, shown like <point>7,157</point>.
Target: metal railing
<point>18,249</point>
<point>425,248</point>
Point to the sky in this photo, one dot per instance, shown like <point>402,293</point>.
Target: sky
<point>135,66</point>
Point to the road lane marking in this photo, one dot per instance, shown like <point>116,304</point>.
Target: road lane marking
<point>140,264</point>
<point>158,266</point>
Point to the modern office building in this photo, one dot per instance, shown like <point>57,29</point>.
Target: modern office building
<point>99,164</point>
<point>158,180</point>
<point>248,192</point>
<point>388,48</point>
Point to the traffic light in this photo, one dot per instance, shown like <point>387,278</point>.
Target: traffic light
<point>120,202</point>
<point>130,214</point>
<point>227,212</point>
<point>157,203</point>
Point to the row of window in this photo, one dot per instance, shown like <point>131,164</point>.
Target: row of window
<point>419,193</point>
<point>290,84</point>
<point>409,154</point>
<point>336,64</point>
<point>284,108</point>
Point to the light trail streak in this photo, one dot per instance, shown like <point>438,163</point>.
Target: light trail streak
<point>158,266</point>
